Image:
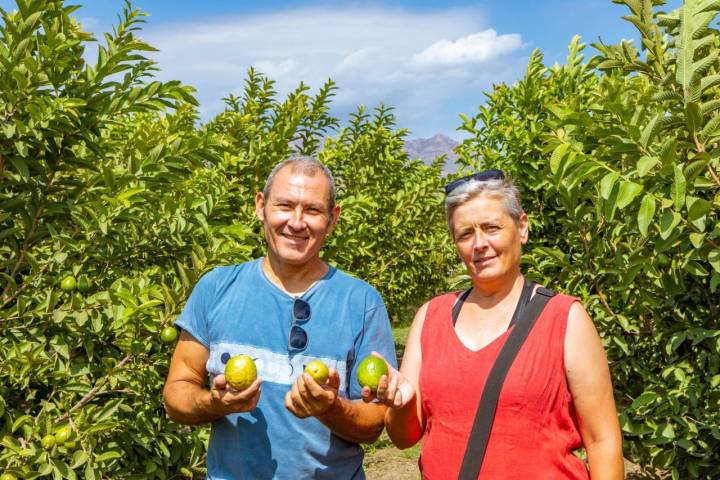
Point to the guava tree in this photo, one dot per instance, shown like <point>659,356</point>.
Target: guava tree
<point>114,200</point>
<point>617,157</point>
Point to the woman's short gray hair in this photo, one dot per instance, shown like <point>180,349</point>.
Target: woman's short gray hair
<point>304,165</point>
<point>504,189</point>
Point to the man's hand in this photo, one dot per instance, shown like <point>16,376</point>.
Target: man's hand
<point>225,400</point>
<point>306,398</point>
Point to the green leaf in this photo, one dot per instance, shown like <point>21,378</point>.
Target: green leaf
<point>685,49</point>
<point>109,455</point>
<point>650,130</point>
<point>678,188</point>
<point>645,164</point>
<point>697,208</point>
<point>607,183</point>
<point>557,156</point>
<point>714,281</point>
<point>668,431</point>
<point>696,269</point>
<point>20,421</point>
<point>644,399</point>
<point>628,192</point>
<point>89,472</point>
<point>21,167</point>
<point>668,222</point>
<point>697,239</point>
<point>646,213</point>
<point>693,117</point>
<point>714,259</point>
<point>128,193</point>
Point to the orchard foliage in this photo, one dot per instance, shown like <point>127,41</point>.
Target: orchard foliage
<point>106,175</point>
<point>619,162</point>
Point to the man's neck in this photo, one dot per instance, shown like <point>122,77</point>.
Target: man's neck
<point>293,279</point>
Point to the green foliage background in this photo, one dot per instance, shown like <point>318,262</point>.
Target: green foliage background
<point>108,175</point>
<point>619,161</point>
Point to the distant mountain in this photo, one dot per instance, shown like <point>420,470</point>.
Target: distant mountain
<point>428,149</point>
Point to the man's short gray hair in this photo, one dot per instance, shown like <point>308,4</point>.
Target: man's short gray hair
<point>305,165</point>
<point>504,189</point>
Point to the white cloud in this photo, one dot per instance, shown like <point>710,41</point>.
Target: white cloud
<point>275,69</point>
<point>476,48</point>
<point>372,54</point>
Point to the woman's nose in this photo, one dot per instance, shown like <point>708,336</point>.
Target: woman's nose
<point>480,242</point>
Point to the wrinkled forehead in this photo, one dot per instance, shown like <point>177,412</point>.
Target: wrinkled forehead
<point>485,205</point>
<point>309,187</point>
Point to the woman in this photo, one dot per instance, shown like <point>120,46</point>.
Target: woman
<point>557,396</point>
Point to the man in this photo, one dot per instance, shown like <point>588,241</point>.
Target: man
<point>284,310</point>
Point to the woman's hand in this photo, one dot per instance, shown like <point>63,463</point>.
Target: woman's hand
<point>394,390</point>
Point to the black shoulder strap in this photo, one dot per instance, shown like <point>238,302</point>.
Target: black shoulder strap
<point>459,303</point>
<point>527,290</point>
<point>485,415</point>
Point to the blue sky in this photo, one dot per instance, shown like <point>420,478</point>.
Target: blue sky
<point>429,60</point>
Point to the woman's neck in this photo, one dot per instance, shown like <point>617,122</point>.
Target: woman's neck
<point>487,295</point>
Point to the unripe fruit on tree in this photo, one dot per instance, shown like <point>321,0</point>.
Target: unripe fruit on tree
<point>68,284</point>
<point>84,284</point>
<point>168,334</point>
<point>48,441</point>
<point>63,434</point>
<point>240,372</point>
<point>8,476</point>
<point>318,371</point>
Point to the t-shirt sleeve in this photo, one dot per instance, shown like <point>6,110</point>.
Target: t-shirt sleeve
<point>194,317</point>
<point>376,336</point>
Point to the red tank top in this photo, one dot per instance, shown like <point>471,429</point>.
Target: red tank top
<point>535,430</point>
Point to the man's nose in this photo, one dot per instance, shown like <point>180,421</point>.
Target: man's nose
<point>296,220</point>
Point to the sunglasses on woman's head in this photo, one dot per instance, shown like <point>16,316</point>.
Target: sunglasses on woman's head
<point>298,338</point>
<point>493,174</point>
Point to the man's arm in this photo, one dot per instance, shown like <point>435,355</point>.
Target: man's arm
<point>352,420</point>
<point>186,398</point>
<point>589,382</point>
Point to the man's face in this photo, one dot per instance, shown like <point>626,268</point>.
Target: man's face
<point>295,216</point>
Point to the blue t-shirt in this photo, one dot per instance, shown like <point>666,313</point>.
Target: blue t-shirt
<point>236,309</point>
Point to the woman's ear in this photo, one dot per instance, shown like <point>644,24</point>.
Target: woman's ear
<point>524,225</point>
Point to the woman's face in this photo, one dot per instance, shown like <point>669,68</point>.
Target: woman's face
<point>488,240</point>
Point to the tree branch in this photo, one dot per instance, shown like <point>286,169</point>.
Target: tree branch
<point>714,175</point>
<point>23,287</point>
<point>94,392</point>
<point>28,236</point>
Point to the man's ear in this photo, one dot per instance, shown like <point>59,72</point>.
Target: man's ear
<point>260,206</point>
<point>334,217</point>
